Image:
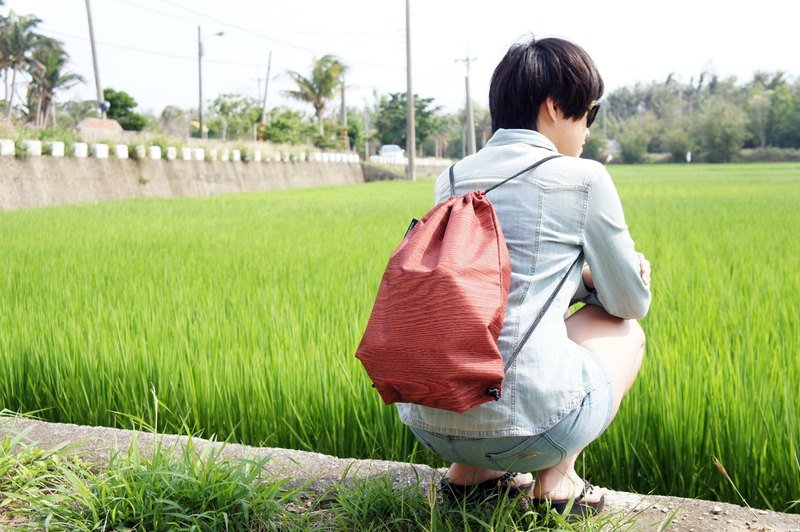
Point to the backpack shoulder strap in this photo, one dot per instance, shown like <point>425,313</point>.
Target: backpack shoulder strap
<point>504,181</point>
<point>541,314</point>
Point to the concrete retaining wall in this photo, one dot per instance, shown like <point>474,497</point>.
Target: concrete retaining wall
<point>42,181</point>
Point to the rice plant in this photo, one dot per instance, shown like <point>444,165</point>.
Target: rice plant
<point>244,312</point>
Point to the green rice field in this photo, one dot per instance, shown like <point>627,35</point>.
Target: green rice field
<point>243,314</point>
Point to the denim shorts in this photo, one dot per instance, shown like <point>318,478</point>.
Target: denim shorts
<point>529,453</point>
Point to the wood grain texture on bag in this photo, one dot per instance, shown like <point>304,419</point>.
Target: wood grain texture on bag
<point>432,336</point>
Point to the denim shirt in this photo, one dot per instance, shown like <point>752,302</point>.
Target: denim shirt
<point>548,216</point>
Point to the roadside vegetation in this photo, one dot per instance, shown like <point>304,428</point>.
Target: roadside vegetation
<point>709,118</point>
<point>185,488</point>
<point>244,313</point>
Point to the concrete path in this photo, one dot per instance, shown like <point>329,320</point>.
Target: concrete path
<point>322,471</point>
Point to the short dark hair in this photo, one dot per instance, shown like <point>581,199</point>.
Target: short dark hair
<point>534,70</point>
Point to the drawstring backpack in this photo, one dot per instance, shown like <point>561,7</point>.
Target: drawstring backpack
<point>432,336</point>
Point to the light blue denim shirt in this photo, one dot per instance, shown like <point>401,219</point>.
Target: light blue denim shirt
<point>548,216</point>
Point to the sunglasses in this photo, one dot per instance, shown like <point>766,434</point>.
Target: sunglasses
<point>594,107</point>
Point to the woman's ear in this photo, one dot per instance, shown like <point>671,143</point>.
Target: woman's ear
<point>548,114</point>
<point>552,109</point>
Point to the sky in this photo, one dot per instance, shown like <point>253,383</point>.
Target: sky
<point>149,48</point>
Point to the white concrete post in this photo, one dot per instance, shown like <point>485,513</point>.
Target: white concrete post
<point>56,148</point>
<point>100,151</point>
<point>7,147</point>
<point>80,150</point>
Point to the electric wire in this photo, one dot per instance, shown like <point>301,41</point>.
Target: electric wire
<point>249,31</point>
<point>151,52</point>
<point>216,20</point>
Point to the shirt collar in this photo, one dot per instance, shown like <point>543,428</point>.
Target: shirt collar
<point>527,136</point>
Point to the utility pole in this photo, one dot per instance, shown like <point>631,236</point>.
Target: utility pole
<point>266,88</point>
<point>470,140</point>
<point>411,139</point>
<point>200,82</point>
<point>345,134</point>
<point>200,76</point>
<point>258,79</point>
<point>101,106</point>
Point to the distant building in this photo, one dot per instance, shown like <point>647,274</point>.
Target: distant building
<point>614,149</point>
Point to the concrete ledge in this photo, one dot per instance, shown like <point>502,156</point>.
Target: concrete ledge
<point>320,472</point>
<point>42,181</point>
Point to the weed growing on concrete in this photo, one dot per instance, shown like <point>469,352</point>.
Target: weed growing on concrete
<point>190,489</point>
<point>245,311</point>
<point>379,504</point>
<point>197,489</point>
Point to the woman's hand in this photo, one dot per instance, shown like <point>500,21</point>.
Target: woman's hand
<point>587,277</point>
<point>644,269</point>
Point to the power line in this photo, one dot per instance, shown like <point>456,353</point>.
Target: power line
<point>152,52</point>
<point>255,33</point>
<point>216,20</point>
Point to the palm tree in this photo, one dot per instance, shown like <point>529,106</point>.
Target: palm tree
<point>320,87</point>
<point>47,76</point>
<point>17,43</point>
<point>3,60</point>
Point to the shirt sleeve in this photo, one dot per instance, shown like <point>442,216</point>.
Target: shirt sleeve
<point>610,253</point>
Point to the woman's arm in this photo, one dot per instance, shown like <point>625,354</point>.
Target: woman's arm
<point>588,282</point>
<point>619,275</point>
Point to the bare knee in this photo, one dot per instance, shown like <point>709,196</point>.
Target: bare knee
<point>618,344</point>
<point>637,335</point>
<point>640,340</point>
<point>591,324</point>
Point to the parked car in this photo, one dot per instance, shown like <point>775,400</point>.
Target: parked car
<point>391,150</point>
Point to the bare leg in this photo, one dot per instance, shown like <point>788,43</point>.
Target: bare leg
<point>619,347</point>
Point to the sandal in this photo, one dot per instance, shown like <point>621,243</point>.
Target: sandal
<point>474,493</point>
<point>576,506</point>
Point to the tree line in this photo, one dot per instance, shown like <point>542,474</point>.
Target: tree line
<point>710,118</point>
